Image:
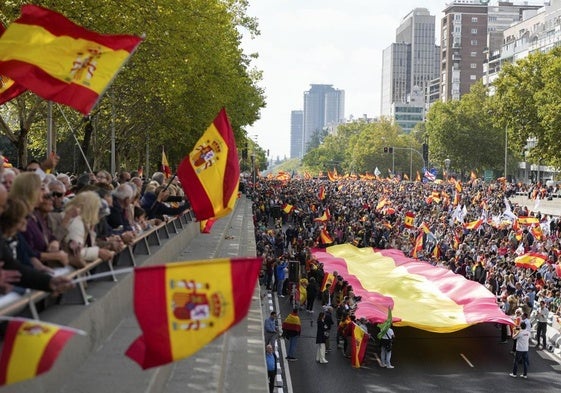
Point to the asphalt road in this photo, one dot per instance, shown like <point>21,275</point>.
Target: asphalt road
<point>470,360</point>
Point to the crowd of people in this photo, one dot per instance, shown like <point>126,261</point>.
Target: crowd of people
<point>50,220</point>
<point>471,228</point>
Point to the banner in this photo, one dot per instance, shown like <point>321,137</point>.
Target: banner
<point>188,305</point>
<point>60,61</point>
<point>210,174</point>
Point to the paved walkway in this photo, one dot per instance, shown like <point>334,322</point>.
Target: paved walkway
<point>552,208</point>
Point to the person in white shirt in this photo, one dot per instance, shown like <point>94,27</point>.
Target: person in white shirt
<point>386,344</point>
<point>542,316</point>
<point>522,338</point>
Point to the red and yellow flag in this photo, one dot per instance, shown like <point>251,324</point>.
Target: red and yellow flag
<point>444,301</point>
<point>328,278</point>
<point>325,237</point>
<point>205,226</point>
<point>8,88</point>
<point>326,216</point>
<point>61,61</point>
<point>287,208</point>
<point>359,342</point>
<point>165,165</point>
<point>409,221</point>
<point>210,174</point>
<point>473,225</point>
<point>31,348</point>
<point>530,260</point>
<point>524,220</point>
<point>188,305</point>
<point>321,193</point>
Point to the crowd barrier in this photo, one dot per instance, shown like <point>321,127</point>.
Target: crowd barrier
<point>13,303</point>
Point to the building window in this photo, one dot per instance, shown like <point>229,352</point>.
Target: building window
<point>473,65</point>
<point>473,54</point>
<point>473,42</point>
<point>473,31</point>
<point>473,77</point>
<point>474,19</point>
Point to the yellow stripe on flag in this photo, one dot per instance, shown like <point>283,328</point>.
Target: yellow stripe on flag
<point>28,349</point>
<point>436,312</point>
<point>199,313</point>
<point>57,55</point>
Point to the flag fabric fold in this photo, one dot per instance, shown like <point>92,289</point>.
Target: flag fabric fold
<point>188,305</point>
<point>210,174</point>
<point>444,302</point>
<point>31,348</point>
<point>60,61</point>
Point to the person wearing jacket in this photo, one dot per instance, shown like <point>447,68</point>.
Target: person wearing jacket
<point>292,326</point>
<point>321,337</point>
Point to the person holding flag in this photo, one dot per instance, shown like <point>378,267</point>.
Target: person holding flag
<point>386,337</point>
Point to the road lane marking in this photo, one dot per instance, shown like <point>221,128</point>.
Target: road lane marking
<point>466,359</point>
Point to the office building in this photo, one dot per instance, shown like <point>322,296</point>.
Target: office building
<point>324,107</point>
<point>297,134</point>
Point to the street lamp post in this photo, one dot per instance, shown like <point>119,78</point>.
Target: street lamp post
<point>447,164</point>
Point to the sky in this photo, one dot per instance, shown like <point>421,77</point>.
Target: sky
<point>338,43</point>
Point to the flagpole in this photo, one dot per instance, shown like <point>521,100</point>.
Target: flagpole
<point>20,319</point>
<point>75,138</point>
<point>103,274</point>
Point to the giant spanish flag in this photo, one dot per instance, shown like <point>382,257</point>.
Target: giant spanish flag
<point>188,305</point>
<point>210,174</point>
<point>59,60</point>
<point>419,294</point>
<point>31,348</point>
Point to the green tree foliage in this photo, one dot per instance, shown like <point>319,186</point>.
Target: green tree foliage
<point>188,67</point>
<point>528,102</point>
<point>358,147</point>
<point>464,132</point>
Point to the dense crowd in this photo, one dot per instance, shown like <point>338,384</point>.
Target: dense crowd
<point>472,229</point>
<point>50,220</point>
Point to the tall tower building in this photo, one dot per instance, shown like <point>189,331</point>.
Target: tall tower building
<point>412,61</point>
<point>463,45</point>
<point>297,134</point>
<point>324,106</point>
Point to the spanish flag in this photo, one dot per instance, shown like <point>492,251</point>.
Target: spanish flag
<point>61,61</point>
<point>524,220</point>
<point>409,221</point>
<point>321,193</point>
<point>188,305</point>
<point>473,225</point>
<point>31,348</point>
<point>165,164</point>
<point>210,174</point>
<point>444,301</point>
<point>287,208</point>
<point>206,225</point>
<point>359,342</point>
<point>8,88</point>
<point>325,237</point>
<point>530,260</point>
<point>328,278</point>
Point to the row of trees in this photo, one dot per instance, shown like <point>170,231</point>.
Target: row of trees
<point>526,105</point>
<point>189,66</point>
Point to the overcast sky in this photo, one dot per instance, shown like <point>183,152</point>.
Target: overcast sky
<point>326,42</point>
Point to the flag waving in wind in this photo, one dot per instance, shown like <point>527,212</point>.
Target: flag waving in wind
<point>188,305</point>
<point>31,348</point>
<point>8,88</point>
<point>61,61</point>
<point>165,165</point>
<point>210,174</point>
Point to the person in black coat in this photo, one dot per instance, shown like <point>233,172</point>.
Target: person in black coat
<point>321,337</point>
<point>312,290</point>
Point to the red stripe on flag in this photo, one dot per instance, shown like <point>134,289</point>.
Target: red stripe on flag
<point>57,24</point>
<point>53,348</point>
<point>7,349</point>
<point>232,172</point>
<point>244,276</point>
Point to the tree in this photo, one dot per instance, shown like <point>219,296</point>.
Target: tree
<point>188,67</point>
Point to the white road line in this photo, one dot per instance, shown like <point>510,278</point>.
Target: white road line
<point>467,361</point>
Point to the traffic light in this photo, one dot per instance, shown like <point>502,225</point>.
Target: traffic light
<point>385,149</point>
<point>388,149</point>
<point>426,152</point>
